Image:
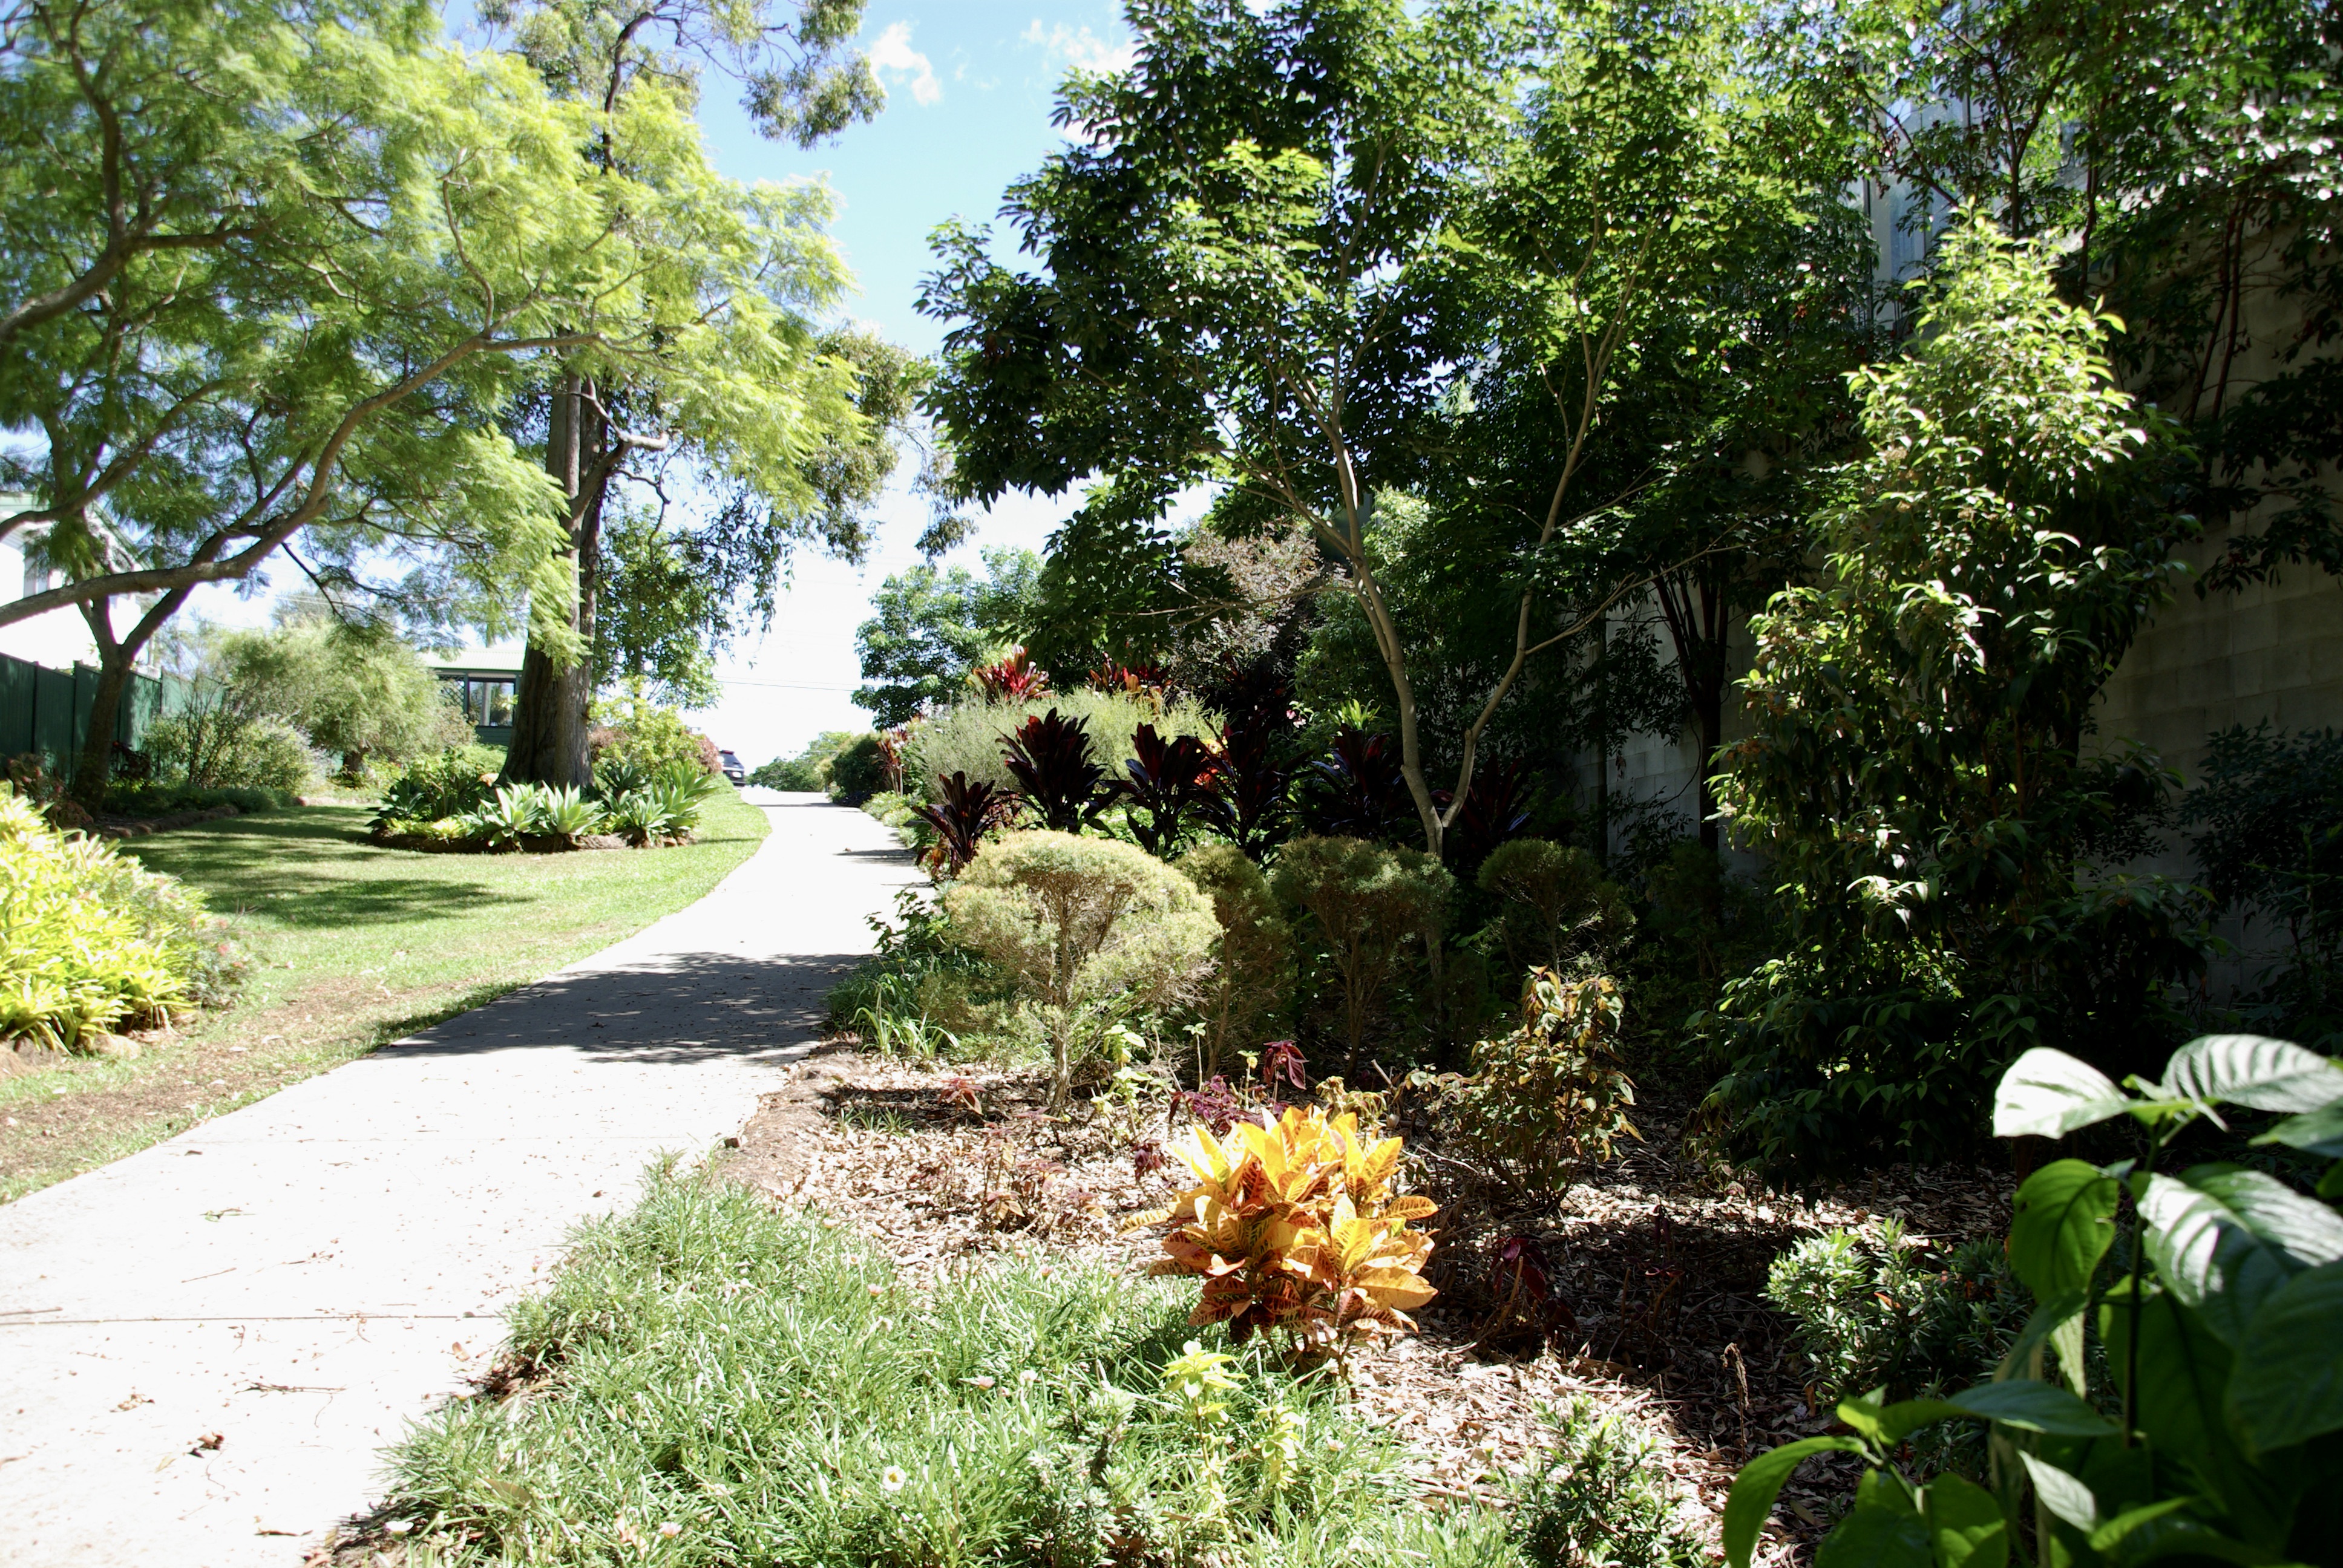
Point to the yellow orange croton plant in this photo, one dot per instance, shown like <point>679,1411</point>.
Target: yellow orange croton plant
<point>1295,1226</point>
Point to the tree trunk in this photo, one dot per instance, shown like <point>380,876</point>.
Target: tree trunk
<point>1708,721</point>
<point>116,658</point>
<point>1694,612</point>
<point>549,707</point>
<point>1602,745</point>
<point>95,765</point>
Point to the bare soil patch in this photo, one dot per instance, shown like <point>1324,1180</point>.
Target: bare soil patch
<point>1657,1261</point>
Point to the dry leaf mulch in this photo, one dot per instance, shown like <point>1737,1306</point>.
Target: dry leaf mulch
<point>1658,1262</point>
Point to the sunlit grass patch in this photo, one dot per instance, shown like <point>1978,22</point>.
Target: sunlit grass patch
<point>709,1381</point>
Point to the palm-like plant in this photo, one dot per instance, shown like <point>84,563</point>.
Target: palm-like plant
<point>1356,790</point>
<point>961,819</point>
<point>1170,784</point>
<point>1496,811</point>
<point>1060,781</point>
<point>1010,679</point>
<point>1250,784</point>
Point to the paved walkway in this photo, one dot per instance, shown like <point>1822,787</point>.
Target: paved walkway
<point>289,1284</point>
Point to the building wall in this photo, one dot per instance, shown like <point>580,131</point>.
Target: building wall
<point>2272,652</point>
<point>59,639</point>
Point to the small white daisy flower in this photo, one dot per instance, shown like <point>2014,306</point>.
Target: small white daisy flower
<point>893,1478</point>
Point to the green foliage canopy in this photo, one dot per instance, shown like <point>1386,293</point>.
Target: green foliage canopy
<point>932,626</point>
<point>1917,772</point>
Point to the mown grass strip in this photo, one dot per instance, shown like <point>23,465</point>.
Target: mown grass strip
<point>354,945</point>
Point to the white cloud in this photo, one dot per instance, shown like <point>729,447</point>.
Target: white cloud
<point>893,56</point>
<point>1081,47</point>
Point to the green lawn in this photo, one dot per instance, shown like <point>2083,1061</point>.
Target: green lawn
<point>354,945</point>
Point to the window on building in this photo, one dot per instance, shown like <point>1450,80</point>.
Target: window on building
<point>485,700</point>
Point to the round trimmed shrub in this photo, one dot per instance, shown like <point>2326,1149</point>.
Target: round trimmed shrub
<point>1368,902</point>
<point>1091,931</point>
<point>1252,971</point>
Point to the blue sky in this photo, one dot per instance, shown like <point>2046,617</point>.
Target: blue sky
<point>970,89</point>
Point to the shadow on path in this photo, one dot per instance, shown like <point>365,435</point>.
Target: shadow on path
<point>679,1007</point>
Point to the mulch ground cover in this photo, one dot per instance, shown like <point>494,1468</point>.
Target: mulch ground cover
<point>1657,1263</point>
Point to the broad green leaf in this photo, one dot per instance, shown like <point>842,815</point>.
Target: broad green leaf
<point>2110,1534</point>
<point>2047,1093</point>
<point>1883,1529</point>
<point>1888,1425</point>
<point>2223,1239</point>
<point>2033,1406</point>
<point>2168,1534</point>
<point>2319,1131</point>
<point>1760,1481</point>
<point>2278,1214</point>
<point>2287,1387</point>
<point>2183,1374</point>
<point>2048,1321</point>
<point>2066,1344</point>
<point>2062,1225</point>
<point>1964,1524</point>
<point>2062,1494</point>
<point>2254,1071</point>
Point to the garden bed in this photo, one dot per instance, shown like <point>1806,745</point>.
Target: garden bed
<point>1658,1261</point>
<point>529,843</point>
<point>139,827</point>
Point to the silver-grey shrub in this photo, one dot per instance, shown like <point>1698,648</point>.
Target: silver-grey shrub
<point>966,738</point>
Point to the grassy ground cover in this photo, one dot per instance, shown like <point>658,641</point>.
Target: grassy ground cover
<point>712,1380</point>
<point>354,945</point>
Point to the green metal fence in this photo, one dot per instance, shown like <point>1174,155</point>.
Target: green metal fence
<point>47,711</point>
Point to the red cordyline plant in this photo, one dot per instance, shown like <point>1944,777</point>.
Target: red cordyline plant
<point>1250,784</point>
<point>1050,757</point>
<point>966,812</point>
<point>1496,812</point>
<point>1169,787</point>
<point>1131,680</point>
<point>1013,678</point>
<point>1356,789</point>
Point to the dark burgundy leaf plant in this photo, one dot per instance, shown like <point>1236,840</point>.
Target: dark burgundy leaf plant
<point>1060,781</point>
<point>966,813</point>
<point>1169,788</point>
<point>1356,790</point>
<point>1215,1104</point>
<point>1252,784</point>
<point>1281,1059</point>
<point>1496,812</point>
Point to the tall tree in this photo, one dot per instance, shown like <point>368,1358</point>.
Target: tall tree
<point>1728,410</point>
<point>732,422</point>
<point>2190,155</point>
<point>934,626</point>
<point>1919,773</point>
<point>1292,238</point>
<point>271,273</point>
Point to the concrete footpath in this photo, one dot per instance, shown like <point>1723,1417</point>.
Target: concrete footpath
<point>203,1347</point>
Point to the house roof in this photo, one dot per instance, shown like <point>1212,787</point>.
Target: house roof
<point>503,658</point>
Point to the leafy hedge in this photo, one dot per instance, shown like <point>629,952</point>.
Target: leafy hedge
<point>91,941</point>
